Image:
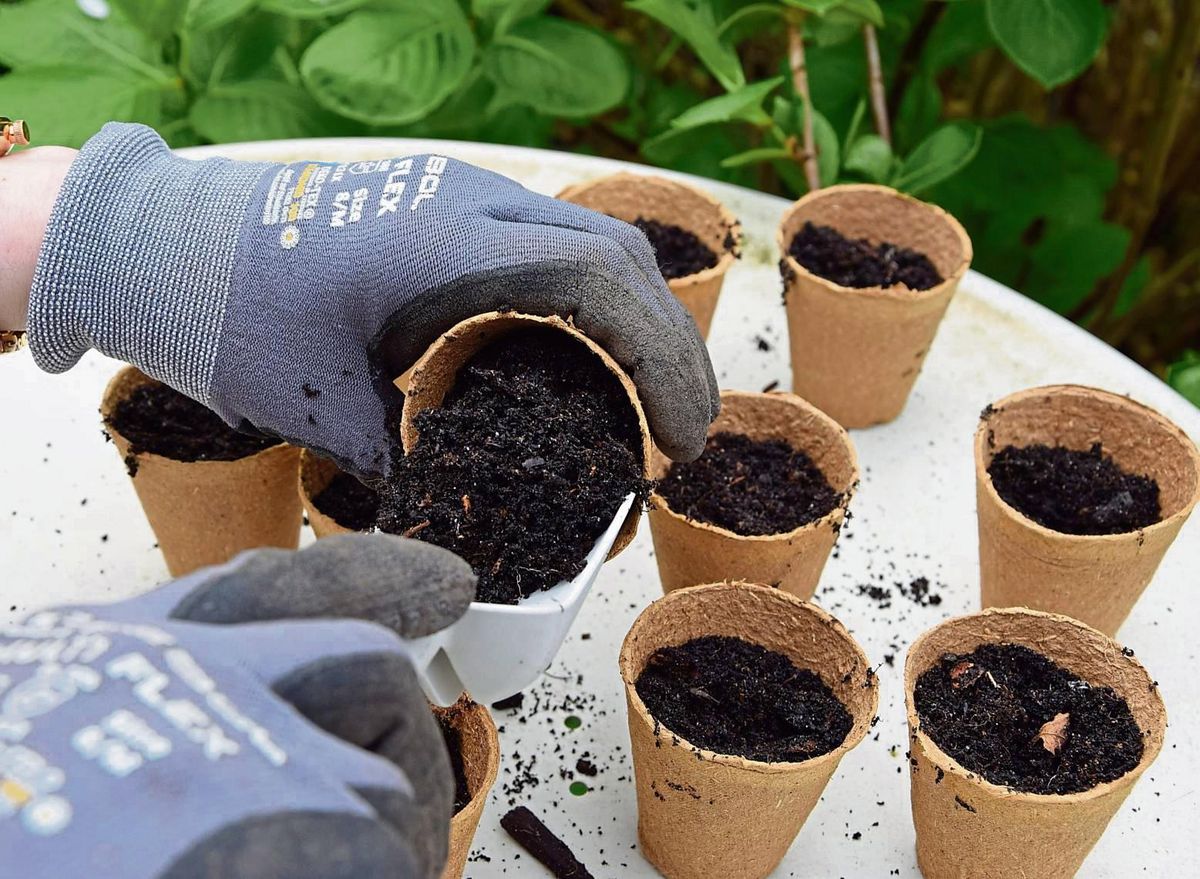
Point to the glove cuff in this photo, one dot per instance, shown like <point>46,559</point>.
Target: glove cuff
<point>138,256</point>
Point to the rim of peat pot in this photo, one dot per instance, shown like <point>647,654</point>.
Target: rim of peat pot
<point>631,668</point>
<point>313,477</point>
<point>985,448</point>
<point>789,226</point>
<point>727,255</point>
<point>435,372</point>
<point>480,749</point>
<point>661,464</point>
<point>1153,711</point>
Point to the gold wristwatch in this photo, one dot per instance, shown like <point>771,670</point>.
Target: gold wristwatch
<point>13,133</point>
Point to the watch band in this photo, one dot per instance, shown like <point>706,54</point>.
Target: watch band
<point>13,133</point>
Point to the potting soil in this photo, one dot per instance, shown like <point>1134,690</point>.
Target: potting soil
<point>990,711</point>
<point>1073,491</point>
<point>749,486</point>
<point>522,467</point>
<point>679,252</point>
<point>856,262</point>
<point>350,503</point>
<point>733,697</point>
<point>453,739</point>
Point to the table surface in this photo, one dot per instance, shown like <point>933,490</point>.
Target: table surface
<point>71,530</point>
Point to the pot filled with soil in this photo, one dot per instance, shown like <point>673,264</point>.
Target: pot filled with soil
<point>765,501</point>
<point>867,273</point>
<point>1027,731</point>
<point>474,749</point>
<point>695,238</point>
<point>208,491</point>
<point>1080,493</point>
<point>742,701</point>
<point>527,454</point>
<point>335,502</point>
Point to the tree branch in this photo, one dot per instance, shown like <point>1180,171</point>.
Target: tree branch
<point>812,173</point>
<point>875,80</point>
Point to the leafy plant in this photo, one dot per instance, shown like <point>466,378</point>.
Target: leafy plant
<point>1007,112</point>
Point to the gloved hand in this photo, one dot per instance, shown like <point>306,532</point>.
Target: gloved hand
<point>192,732</point>
<point>289,297</point>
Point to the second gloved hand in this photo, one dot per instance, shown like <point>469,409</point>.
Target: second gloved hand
<point>288,297</point>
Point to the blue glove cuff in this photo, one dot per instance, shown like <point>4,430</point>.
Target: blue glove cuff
<point>137,258</point>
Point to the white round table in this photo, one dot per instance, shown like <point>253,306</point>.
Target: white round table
<point>71,530</point>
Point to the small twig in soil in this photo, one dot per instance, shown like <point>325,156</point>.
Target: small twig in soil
<point>415,529</point>
<point>535,837</point>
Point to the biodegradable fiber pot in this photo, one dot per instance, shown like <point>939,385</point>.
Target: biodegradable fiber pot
<point>496,649</point>
<point>1094,578</point>
<point>702,814</point>
<point>481,761</point>
<point>631,196</point>
<point>968,828</point>
<point>856,352</point>
<point>206,512</point>
<point>315,475</point>
<point>691,552</point>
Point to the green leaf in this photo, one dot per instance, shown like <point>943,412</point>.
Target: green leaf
<point>817,7</point>
<point>254,47</point>
<point>961,31</point>
<point>1184,376</point>
<point>855,123</point>
<point>941,155</point>
<point>867,10</point>
<point>1133,287</point>
<point>697,27</point>
<point>760,154</point>
<point>83,100</point>
<point>1051,40</point>
<point>311,8</point>
<point>558,67</point>
<point>157,18</point>
<point>744,104</point>
<point>503,14</point>
<point>828,151</point>
<point>46,33</point>
<point>871,157</point>
<point>259,110</point>
<point>920,109</point>
<point>1068,262</point>
<point>745,21</point>
<point>390,67</point>
<point>202,15</point>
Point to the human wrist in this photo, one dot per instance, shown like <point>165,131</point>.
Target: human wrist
<point>29,184</point>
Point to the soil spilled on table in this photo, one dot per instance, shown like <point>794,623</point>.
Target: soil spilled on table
<point>1019,720</point>
<point>679,252</point>
<point>522,467</point>
<point>349,503</point>
<point>856,262</point>
<point>162,421</point>
<point>733,697</point>
<point>1073,491</point>
<point>749,486</point>
<point>453,739</point>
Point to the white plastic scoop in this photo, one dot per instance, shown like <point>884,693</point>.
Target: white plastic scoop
<point>496,650</point>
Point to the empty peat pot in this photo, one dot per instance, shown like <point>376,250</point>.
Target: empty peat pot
<point>480,750</point>
<point>857,351</point>
<point>1096,578</point>
<point>497,649</point>
<point>702,814</point>
<point>631,197</point>
<point>206,512</point>
<point>691,552</point>
<point>969,828</point>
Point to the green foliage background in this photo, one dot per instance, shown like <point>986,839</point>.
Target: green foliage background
<point>1051,128</point>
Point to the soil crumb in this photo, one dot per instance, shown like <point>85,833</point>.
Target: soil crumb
<point>679,252</point>
<point>536,838</point>
<point>733,697</point>
<point>1019,720</point>
<point>749,487</point>
<point>522,467</point>
<point>349,502</point>
<point>453,739</point>
<point>158,419</point>
<point>856,262</point>
<point>1073,491</point>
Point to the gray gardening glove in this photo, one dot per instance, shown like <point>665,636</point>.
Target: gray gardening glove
<point>287,297</point>
<point>193,732</point>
